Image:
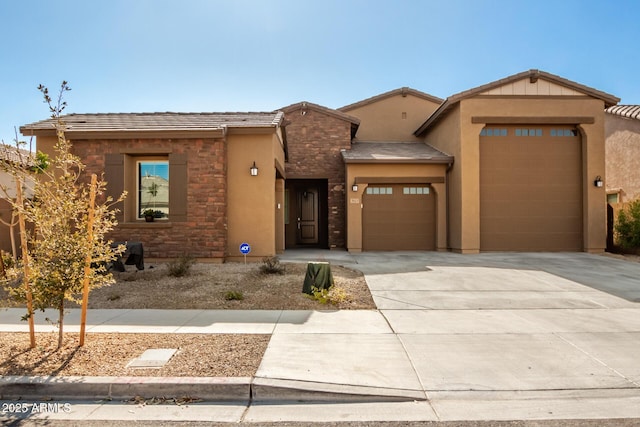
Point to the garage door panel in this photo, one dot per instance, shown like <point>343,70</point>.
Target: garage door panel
<point>530,193</point>
<point>399,221</point>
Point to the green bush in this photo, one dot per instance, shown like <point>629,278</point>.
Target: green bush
<point>334,295</point>
<point>627,227</point>
<point>234,296</point>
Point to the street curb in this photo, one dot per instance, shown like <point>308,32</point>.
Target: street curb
<point>269,389</point>
<point>124,388</point>
<point>219,389</point>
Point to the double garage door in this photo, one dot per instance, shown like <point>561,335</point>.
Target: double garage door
<point>530,189</point>
<point>398,217</point>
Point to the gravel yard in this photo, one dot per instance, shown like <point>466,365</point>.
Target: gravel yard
<point>207,286</point>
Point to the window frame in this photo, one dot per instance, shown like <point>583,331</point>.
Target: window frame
<point>139,209</point>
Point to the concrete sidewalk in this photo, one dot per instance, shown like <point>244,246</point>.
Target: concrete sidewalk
<point>455,337</point>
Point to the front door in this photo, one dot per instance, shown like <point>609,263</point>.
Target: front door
<point>307,216</point>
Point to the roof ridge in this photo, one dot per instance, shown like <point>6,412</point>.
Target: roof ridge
<point>533,74</point>
<point>405,90</point>
<point>322,108</point>
<point>181,113</point>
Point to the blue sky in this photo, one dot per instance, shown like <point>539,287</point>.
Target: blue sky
<point>259,55</point>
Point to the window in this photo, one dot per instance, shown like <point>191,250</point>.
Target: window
<point>379,190</point>
<point>564,132</point>
<point>613,198</point>
<point>529,132</point>
<point>153,187</point>
<point>415,190</point>
<point>493,132</point>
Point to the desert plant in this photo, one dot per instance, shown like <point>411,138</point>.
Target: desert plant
<point>69,249</point>
<point>271,265</point>
<point>627,226</point>
<point>234,296</point>
<point>333,295</point>
<point>180,267</point>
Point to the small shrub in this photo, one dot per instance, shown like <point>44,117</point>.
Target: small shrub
<point>271,265</point>
<point>181,266</point>
<point>627,226</point>
<point>334,295</point>
<point>8,260</point>
<point>233,296</point>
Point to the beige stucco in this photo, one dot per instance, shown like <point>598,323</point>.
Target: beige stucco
<point>526,87</point>
<point>458,135</point>
<point>358,172</point>
<point>622,151</point>
<point>446,137</point>
<point>253,213</point>
<point>394,118</point>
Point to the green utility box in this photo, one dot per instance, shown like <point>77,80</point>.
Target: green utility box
<point>318,276</point>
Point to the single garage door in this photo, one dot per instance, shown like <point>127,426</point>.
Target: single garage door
<point>530,189</point>
<point>398,217</point>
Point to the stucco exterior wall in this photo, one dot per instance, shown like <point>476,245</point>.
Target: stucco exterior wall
<point>446,138</point>
<point>354,199</point>
<point>252,202</point>
<point>392,119</point>
<point>315,141</point>
<point>464,182</point>
<point>622,153</point>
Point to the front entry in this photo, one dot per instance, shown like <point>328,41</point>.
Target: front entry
<point>307,216</point>
<point>306,213</point>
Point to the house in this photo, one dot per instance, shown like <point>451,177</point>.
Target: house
<point>9,234</point>
<point>622,146</point>
<point>507,166</point>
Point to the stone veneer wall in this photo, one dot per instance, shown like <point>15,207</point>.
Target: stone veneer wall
<point>314,142</point>
<point>203,234</point>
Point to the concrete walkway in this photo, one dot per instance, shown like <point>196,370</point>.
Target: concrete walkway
<point>455,338</point>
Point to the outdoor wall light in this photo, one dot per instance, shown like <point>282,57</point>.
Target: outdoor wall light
<point>253,170</point>
<point>598,181</point>
<point>354,187</point>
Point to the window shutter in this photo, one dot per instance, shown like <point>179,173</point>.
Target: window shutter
<point>114,175</point>
<point>177,187</point>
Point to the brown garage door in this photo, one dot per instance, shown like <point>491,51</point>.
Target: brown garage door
<point>398,217</point>
<point>530,189</point>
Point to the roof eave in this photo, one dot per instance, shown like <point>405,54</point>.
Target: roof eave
<point>322,109</point>
<point>438,160</point>
<point>404,91</point>
<point>608,99</point>
<point>129,133</point>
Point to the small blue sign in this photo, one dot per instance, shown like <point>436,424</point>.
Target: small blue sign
<point>245,248</point>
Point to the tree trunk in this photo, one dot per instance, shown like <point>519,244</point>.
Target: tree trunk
<point>25,261</point>
<point>60,322</point>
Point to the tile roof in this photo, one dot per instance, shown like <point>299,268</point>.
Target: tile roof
<point>141,122</point>
<point>629,111</point>
<point>394,152</point>
<point>9,153</point>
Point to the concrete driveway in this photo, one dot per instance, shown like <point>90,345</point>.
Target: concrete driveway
<point>487,336</point>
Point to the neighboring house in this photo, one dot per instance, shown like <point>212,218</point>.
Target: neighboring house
<point>11,154</point>
<point>622,135</point>
<point>507,166</point>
